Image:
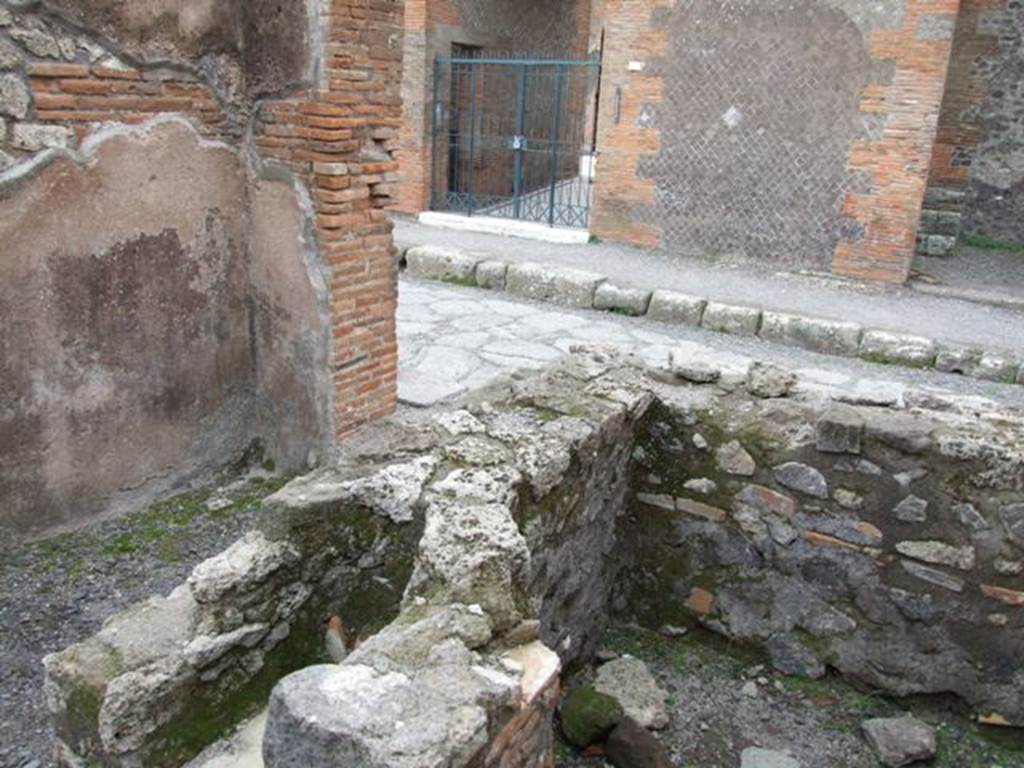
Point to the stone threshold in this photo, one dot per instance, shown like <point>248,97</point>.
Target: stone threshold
<point>589,290</point>
<point>490,225</point>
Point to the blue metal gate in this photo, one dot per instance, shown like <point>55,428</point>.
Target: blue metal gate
<point>514,138</point>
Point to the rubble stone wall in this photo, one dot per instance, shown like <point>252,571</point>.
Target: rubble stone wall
<point>480,549</point>
<point>886,546</point>
<point>975,181</point>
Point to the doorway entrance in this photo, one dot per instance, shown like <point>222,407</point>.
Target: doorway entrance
<point>514,138</point>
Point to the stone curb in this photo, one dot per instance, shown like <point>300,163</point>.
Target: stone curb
<point>588,290</point>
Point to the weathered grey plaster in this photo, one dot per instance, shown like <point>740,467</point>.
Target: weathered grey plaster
<point>150,336</point>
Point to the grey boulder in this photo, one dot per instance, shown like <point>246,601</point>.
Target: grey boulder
<point>900,741</point>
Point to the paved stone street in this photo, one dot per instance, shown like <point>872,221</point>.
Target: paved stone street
<point>455,339</point>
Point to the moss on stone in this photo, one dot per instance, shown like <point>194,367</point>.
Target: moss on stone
<point>465,282</point>
<point>587,716</point>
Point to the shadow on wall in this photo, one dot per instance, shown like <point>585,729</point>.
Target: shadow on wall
<point>161,313</point>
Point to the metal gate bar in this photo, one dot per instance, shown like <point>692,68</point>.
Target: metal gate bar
<point>514,138</point>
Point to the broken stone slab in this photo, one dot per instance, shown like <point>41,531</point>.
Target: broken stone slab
<point>491,275</point>
<point>898,349</point>
<point>626,301</point>
<point>676,308</point>
<point>831,337</point>
<point>900,741</point>
<point>839,430</point>
<point>432,262</point>
<point>803,478</point>
<point>769,381</point>
<point>402,703</point>
<point>731,319</point>
<point>558,285</point>
<point>243,565</point>
<point>630,682</point>
<point>472,549</point>
<point>755,757</point>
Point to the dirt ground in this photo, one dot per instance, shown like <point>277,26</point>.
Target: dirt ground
<point>716,712</point>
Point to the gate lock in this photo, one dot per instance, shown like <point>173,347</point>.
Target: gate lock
<point>518,143</point>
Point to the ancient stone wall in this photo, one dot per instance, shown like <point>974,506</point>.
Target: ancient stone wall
<point>492,530</point>
<point>974,187</point>
<point>537,29</point>
<point>886,546</point>
<point>199,257</point>
<point>731,130</point>
<point>492,543</point>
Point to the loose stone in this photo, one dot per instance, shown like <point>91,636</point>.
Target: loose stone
<point>629,682</point>
<point>630,745</point>
<point>755,757</point>
<point>900,741</point>
<point>769,381</point>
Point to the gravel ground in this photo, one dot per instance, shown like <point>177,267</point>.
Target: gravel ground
<point>818,722</point>
<point>899,309</point>
<point>58,591</point>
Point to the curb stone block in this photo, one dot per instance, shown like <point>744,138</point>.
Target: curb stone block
<point>629,301</point>
<point>831,337</point>
<point>447,264</point>
<point>558,285</point>
<point>676,308</point>
<point>977,363</point>
<point>898,349</point>
<point>731,319</point>
<point>998,368</point>
<point>491,275</point>
<point>954,358</point>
